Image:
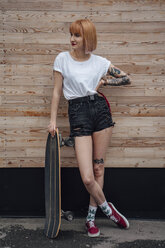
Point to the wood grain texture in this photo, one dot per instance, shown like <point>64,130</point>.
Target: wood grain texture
<point>131,35</point>
<point>77,5</point>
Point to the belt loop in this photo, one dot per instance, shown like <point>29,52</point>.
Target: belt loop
<point>92,97</point>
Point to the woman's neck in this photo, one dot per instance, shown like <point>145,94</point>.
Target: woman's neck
<point>80,55</point>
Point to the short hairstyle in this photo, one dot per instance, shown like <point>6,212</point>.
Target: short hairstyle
<point>87,30</point>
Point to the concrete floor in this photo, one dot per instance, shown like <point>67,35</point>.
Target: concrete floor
<point>28,233</point>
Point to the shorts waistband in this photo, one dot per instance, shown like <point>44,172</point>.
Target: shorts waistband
<point>84,99</point>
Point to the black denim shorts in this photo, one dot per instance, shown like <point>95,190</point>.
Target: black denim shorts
<point>89,114</point>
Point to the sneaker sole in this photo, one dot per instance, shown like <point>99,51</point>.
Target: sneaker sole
<point>126,221</point>
<point>94,235</point>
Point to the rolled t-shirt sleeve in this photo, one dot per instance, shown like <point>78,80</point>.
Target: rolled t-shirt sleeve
<point>58,64</point>
<point>106,65</point>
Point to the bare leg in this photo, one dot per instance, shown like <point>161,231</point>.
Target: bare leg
<point>84,154</point>
<point>101,141</point>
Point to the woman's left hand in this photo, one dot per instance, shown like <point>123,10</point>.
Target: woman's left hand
<point>101,83</point>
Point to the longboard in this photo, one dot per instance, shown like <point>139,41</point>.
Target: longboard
<point>53,185</point>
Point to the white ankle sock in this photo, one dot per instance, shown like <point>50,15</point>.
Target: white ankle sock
<point>106,208</point>
<point>91,213</point>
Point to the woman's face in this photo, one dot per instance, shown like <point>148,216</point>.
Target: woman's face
<point>76,41</point>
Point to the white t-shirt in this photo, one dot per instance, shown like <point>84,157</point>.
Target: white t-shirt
<point>80,78</point>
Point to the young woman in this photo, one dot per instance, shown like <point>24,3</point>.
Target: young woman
<point>79,73</point>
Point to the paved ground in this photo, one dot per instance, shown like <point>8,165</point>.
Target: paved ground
<point>28,233</point>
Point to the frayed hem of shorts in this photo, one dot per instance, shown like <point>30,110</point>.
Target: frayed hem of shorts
<point>80,135</point>
<point>90,134</point>
<point>111,125</point>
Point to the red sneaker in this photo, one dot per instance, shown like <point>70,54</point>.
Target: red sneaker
<point>118,218</point>
<point>93,231</point>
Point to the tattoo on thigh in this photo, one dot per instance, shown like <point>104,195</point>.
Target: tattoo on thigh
<point>99,161</point>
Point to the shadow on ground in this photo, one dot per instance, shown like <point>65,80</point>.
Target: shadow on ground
<point>18,237</point>
<point>142,244</point>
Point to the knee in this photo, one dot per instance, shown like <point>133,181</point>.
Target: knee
<point>88,181</point>
<point>98,168</point>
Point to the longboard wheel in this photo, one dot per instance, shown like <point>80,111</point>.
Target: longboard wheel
<point>69,141</point>
<point>68,215</point>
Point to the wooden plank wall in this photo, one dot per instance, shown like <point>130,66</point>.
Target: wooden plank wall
<point>130,33</point>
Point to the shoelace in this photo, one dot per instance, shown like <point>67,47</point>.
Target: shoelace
<point>114,218</point>
<point>91,224</point>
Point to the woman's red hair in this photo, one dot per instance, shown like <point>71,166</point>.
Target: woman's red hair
<point>87,30</point>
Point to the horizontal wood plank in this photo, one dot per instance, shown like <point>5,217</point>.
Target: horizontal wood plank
<point>128,27</point>
<point>106,49</point>
<point>30,138</point>
<point>141,80</point>
<point>122,152</point>
<point>74,5</point>
<point>71,162</point>
<point>63,27</point>
<point>133,59</point>
<point>44,71</point>
<point>95,16</point>
<point>128,16</point>
<point>125,126</point>
<point>29,107</point>
<point>61,38</point>
<point>63,122</point>
<point>114,100</point>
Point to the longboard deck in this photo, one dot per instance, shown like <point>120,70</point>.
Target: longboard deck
<point>52,187</point>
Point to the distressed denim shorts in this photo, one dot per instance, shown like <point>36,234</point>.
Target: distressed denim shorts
<point>89,114</point>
